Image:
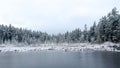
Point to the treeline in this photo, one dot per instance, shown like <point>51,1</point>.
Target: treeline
<point>107,29</point>
<point>10,34</point>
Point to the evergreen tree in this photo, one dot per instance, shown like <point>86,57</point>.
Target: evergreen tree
<point>85,34</point>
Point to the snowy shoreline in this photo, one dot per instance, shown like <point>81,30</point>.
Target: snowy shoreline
<point>63,47</point>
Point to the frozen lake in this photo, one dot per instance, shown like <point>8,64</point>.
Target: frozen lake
<point>60,59</point>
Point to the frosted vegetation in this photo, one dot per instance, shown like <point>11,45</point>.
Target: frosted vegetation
<point>95,38</point>
<point>63,47</point>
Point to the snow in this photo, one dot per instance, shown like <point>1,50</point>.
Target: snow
<point>108,46</point>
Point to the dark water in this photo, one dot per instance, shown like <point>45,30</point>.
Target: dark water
<point>58,59</point>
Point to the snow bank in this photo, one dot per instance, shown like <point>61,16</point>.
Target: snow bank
<point>64,47</point>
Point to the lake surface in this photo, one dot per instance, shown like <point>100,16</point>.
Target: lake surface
<point>59,59</point>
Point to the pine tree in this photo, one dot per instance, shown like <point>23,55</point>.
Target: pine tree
<point>85,34</point>
<point>92,33</point>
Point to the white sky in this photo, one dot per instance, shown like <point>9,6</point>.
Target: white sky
<point>54,16</point>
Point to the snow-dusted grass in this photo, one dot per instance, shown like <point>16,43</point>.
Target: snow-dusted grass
<point>63,47</point>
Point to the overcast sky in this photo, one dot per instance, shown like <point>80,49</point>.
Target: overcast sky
<point>54,16</point>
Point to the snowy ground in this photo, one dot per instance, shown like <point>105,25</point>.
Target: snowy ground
<point>64,47</point>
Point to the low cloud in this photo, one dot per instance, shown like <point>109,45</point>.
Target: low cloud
<point>46,15</point>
